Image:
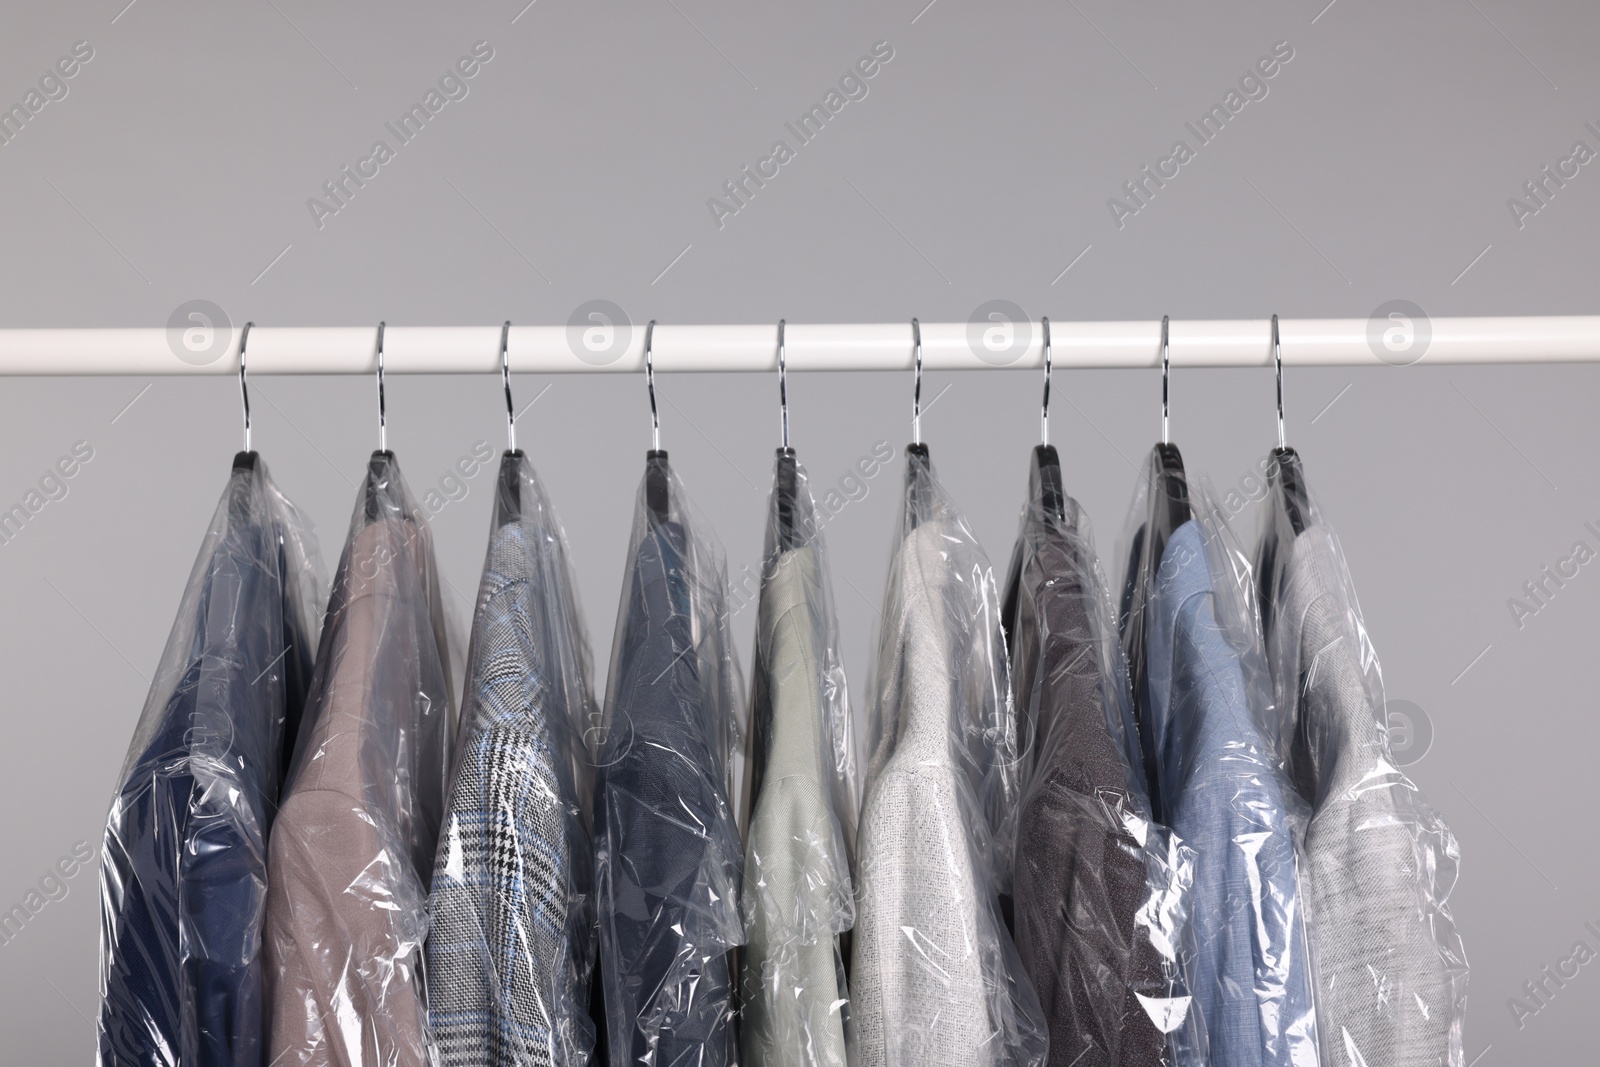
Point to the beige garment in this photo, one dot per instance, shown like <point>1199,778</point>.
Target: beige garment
<point>924,939</point>
<point>796,873</point>
<point>345,902</point>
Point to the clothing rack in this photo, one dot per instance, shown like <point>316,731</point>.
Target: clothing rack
<point>855,346</point>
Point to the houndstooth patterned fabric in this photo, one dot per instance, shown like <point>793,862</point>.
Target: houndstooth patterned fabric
<point>497,950</point>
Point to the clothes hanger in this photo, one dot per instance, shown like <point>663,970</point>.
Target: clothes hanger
<point>917,458</point>
<point>1047,463</point>
<point>1170,507</point>
<point>788,467</point>
<point>656,492</point>
<point>1167,509</point>
<point>1285,471</point>
<point>378,464</point>
<point>510,461</point>
<point>246,460</point>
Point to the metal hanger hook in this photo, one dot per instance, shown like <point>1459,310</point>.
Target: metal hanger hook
<point>650,384</point>
<point>1277,359</point>
<point>783,387</point>
<point>916,392</point>
<point>505,377</point>
<point>1044,406</point>
<point>1166,373</point>
<point>244,388</point>
<point>383,428</point>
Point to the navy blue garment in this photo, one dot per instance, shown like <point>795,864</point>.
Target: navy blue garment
<point>183,876</point>
<point>668,854</point>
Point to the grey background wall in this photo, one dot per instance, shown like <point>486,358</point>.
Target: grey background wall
<point>978,165</point>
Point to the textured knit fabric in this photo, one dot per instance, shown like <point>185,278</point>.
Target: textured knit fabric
<point>1226,798</point>
<point>794,864</point>
<point>667,848</point>
<point>356,837</point>
<point>183,886</point>
<point>502,985</point>
<point>1081,876</point>
<point>1385,992</point>
<point>921,991</point>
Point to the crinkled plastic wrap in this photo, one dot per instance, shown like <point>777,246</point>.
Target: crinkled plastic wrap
<point>1391,973</point>
<point>183,881</point>
<point>936,977</point>
<point>798,899</point>
<point>667,848</point>
<point>510,939</point>
<point>1213,726</point>
<point>354,843</point>
<point>1101,890</point>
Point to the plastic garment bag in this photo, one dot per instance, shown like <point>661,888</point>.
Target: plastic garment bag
<point>797,889</point>
<point>183,882</point>
<point>667,849</point>
<point>936,978</point>
<point>1225,792</point>
<point>1391,973</point>
<point>1100,889</point>
<point>510,939</point>
<point>354,842</point>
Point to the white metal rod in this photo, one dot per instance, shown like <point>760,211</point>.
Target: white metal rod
<point>862,346</point>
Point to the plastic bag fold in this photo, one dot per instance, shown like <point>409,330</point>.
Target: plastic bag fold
<point>936,978</point>
<point>667,848</point>
<point>354,843</point>
<point>798,897</point>
<point>1380,864</point>
<point>1212,724</point>
<point>1101,890</point>
<point>511,907</point>
<point>184,866</point>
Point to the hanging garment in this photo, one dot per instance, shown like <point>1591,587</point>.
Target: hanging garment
<point>354,842</point>
<point>1228,799</point>
<point>1093,874</point>
<point>797,890</point>
<point>511,908</point>
<point>183,881</point>
<point>937,982</point>
<point>667,849</point>
<point>1391,973</point>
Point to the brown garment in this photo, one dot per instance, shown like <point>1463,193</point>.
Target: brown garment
<point>1080,875</point>
<point>352,845</point>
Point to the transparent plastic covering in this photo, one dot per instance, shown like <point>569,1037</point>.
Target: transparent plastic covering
<point>183,881</point>
<point>1101,891</point>
<point>510,940</point>
<point>797,889</point>
<point>936,977</point>
<point>1391,973</point>
<point>667,848</point>
<point>1207,705</point>
<point>353,845</point>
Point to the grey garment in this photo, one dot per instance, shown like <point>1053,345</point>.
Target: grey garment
<point>1080,878</point>
<point>1384,950</point>
<point>797,894</point>
<point>925,934</point>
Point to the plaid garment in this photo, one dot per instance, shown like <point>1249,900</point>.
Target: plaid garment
<point>497,952</point>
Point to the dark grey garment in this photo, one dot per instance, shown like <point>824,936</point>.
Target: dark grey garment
<point>1081,876</point>
<point>1388,963</point>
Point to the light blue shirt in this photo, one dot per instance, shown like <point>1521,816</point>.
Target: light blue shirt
<point>1226,797</point>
